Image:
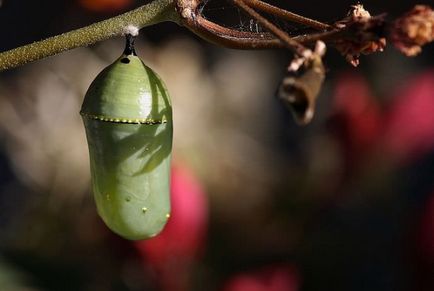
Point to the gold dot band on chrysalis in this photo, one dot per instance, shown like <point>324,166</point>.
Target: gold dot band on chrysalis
<point>123,120</point>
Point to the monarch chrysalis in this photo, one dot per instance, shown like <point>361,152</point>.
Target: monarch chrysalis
<point>127,114</point>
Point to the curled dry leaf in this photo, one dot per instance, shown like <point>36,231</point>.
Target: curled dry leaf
<point>302,84</point>
<point>362,34</point>
<point>413,30</point>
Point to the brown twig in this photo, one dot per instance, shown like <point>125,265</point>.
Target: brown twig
<point>232,38</point>
<point>290,43</point>
<point>220,35</point>
<point>287,15</point>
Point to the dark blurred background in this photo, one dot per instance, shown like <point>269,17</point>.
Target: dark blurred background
<point>345,203</point>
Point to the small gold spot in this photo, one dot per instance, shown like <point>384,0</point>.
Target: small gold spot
<point>144,209</point>
<point>167,215</point>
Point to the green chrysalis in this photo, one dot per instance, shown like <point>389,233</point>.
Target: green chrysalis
<point>127,114</point>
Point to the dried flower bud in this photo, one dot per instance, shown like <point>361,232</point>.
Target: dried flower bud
<point>413,30</point>
<point>357,11</point>
<point>362,34</point>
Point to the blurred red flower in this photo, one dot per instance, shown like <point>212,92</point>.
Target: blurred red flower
<point>409,122</point>
<point>105,6</point>
<point>356,120</point>
<point>172,252</point>
<point>357,112</point>
<point>272,278</point>
<point>404,131</point>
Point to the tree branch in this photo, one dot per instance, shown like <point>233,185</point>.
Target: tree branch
<point>358,33</point>
<point>290,43</point>
<point>152,13</point>
<point>287,15</point>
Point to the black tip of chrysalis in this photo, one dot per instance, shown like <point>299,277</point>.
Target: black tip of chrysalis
<point>129,45</point>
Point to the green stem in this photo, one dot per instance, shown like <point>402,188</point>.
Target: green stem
<point>152,13</point>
